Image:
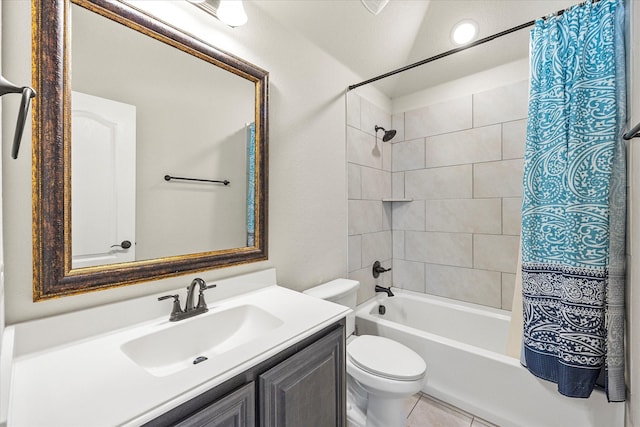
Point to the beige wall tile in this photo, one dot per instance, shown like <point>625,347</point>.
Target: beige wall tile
<point>397,123</point>
<point>376,183</point>
<point>498,179</point>
<point>408,275</point>
<point>371,116</point>
<point>398,244</point>
<point>407,155</point>
<point>439,248</point>
<point>367,283</point>
<point>449,116</point>
<point>451,182</point>
<point>354,188</point>
<point>514,138</point>
<point>465,284</point>
<point>362,149</point>
<point>365,216</point>
<point>508,285</point>
<point>355,252</point>
<point>498,253</point>
<point>408,216</point>
<point>468,146</point>
<point>376,247</point>
<point>387,215</point>
<point>353,110</point>
<point>463,215</point>
<point>499,105</point>
<point>397,184</point>
<point>387,156</point>
<point>511,216</point>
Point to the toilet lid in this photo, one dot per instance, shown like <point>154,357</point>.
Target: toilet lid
<point>385,358</point>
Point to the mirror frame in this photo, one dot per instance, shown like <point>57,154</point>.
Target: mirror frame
<point>51,155</point>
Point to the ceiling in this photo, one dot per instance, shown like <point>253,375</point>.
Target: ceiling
<point>407,31</point>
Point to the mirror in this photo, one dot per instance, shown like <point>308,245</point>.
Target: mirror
<point>149,150</point>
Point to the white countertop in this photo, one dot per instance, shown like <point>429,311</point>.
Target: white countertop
<point>89,381</point>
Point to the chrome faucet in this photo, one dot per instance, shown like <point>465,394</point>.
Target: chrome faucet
<point>177,313</point>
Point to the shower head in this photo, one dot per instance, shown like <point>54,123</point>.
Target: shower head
<point>388,134</point>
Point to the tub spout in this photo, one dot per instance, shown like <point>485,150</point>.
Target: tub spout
<point>383,289</point>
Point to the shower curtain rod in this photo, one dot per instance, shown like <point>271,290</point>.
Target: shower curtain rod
<point>458,49</point>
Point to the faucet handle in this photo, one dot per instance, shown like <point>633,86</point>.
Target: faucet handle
<point>176,310</point>
<point>203,287</point>
<point>175,297</point>
<point>378,268</point>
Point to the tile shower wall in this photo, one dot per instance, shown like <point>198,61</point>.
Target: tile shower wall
<point>369,182</point>
<point>460,162</point>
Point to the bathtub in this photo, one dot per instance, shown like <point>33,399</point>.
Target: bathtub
<point>464,347</point>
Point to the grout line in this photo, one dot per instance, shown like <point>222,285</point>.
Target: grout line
<point>414,405</point>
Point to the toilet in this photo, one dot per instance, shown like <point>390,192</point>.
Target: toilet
<point>381,373</point>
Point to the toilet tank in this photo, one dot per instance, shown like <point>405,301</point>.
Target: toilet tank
<point>339,291</point>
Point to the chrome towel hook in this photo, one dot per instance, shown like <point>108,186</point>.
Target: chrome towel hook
<point>27,93</point>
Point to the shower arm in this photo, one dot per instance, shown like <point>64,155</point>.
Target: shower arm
<point>27,93</point>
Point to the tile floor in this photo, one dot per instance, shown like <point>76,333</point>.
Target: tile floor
<point>426,411</point>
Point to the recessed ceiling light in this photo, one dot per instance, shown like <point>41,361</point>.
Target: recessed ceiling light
<point>464,31</point>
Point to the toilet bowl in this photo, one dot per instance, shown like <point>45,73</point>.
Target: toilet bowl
<point>381,373</point>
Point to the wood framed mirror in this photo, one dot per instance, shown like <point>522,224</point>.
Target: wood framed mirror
<point>58,172</point>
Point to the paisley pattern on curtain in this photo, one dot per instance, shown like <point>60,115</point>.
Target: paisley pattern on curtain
<point>573,210</point>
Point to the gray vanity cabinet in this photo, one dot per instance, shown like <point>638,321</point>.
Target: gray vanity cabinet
<point>307,389</point>
<point>302,386</point>
<point>234,410</point>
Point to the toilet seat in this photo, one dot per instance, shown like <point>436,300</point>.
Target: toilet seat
<point>386,358</point>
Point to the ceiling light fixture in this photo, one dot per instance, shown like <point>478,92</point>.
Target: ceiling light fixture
<point>374,6</point>
<point>464,31</point>
<point>230,12</point>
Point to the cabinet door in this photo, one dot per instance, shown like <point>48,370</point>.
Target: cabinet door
<point>236,409</point>
<point>307,389</point>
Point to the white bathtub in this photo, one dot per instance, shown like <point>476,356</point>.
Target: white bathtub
<point>464,347</point>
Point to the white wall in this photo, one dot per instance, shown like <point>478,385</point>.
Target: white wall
<point>307,177</point>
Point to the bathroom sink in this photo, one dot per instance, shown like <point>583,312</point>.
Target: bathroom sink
<point>187,343</point>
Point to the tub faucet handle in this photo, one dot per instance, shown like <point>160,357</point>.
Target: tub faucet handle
<point>377,269</point>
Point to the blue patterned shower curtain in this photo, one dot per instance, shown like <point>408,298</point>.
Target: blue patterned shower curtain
<point>573,209</point>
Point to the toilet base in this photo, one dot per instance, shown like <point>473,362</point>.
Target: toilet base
<point>385,412</point>
<point>369,410</point>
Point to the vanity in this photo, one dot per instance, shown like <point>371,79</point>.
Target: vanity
<point>262,355</point>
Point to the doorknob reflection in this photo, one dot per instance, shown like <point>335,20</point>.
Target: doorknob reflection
<point>124,245</point>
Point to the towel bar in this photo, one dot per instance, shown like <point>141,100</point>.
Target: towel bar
<point>27,93</point>
<point>169,178</point>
